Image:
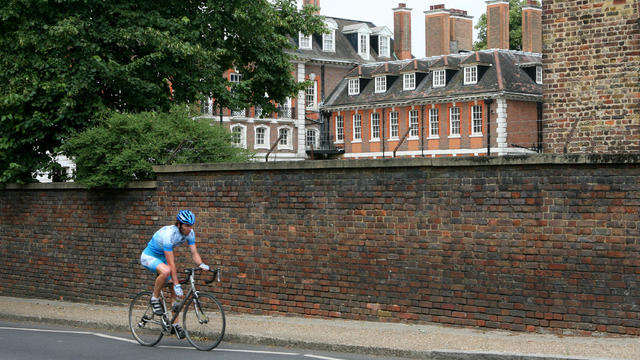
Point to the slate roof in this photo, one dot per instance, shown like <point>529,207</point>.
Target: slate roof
<point>499,71</point>
<point>346,51</point>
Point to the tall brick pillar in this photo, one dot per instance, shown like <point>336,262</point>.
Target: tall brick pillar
<point>437,32</point>
<point>402,31</point>
<point>314,3</point>
<point>532,27</point>
<point>498,24</point>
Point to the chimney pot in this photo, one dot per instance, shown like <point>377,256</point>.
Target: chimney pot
<point>402,5</point>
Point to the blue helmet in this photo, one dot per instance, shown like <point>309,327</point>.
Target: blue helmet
<point>186,217</point>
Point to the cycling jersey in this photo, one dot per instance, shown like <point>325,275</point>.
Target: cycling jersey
<point>163,240</point>
<point>167,238</point>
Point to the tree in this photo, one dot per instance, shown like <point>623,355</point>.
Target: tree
<point>65,65</point>
<point>515,27</point>
<point>126,146</point>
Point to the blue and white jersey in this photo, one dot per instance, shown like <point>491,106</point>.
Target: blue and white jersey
<point>167,238</point>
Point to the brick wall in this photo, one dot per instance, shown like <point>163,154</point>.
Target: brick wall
<point>537,244</point>
<point>591,78</point>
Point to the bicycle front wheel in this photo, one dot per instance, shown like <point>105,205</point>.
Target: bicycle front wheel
<point>204,322</point>
<point>145,326</point>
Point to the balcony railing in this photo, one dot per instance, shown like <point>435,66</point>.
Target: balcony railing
<point>285,112</point>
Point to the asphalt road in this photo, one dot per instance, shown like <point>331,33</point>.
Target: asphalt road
<point>37,341</point>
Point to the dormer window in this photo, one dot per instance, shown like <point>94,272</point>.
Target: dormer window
<point>409,81</point>
<point>439,78</point>
<point>363,45</point>
<point>384,46</point>
<point>381,84</point>
<point>470,75</point>
<point>538,74</point>
<point>354,86</point>
<point>329,39</point>
<point>305,42</point>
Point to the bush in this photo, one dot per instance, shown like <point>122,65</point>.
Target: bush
<point>126,146</point>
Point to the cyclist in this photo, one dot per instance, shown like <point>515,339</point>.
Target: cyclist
<point>158,258</point>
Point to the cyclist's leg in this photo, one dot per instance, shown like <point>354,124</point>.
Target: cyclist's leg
<point>164,274</point>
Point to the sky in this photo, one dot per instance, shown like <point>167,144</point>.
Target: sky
<point>380,12</point>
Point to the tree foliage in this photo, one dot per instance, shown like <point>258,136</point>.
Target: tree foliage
<point>126,146</point>
<point>66,65</point>
<point>515,27</point>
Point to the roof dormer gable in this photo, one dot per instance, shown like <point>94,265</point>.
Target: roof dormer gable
<point>360,28</point>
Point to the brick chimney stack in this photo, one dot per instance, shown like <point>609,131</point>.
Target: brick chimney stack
<point>498,24</point>
<point>314,3</point>
<point>402,32</point>
<point>447,31</point>
<point>532,27</point>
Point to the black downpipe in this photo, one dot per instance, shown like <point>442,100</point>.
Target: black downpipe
<point>488,103</point>
<point>540,127</point>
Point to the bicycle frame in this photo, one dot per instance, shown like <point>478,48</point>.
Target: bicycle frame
<point>193,293</point>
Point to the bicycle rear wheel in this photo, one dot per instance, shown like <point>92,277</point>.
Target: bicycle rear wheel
<point>145,326</point>
<point>204,322</point>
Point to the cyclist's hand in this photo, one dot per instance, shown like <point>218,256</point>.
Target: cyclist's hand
<point>178,290</point>
<point>204,267</point>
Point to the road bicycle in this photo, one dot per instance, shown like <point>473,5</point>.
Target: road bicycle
<point>203,319</point>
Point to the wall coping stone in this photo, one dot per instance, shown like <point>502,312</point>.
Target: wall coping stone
<point>511,160</point>
<point>75,186</point>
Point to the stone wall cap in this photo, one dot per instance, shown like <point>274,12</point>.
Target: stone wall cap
<point>511,160</point>
<point>75,186</point>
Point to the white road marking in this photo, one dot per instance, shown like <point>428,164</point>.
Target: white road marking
<point>166,346</point>
<point>320,357</point>
<point>45,330</point>
<point>114,338</point>
<point>259,352</point>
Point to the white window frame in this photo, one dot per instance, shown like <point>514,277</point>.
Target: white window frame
<point>470,75</point>
<point>409,81</point>
<point>340,129</point>
<point>394,128</point>
<point>539,74</point>
<point>287,142</point>
<point>357,128</point>
<point>381,84</point>
<point>476,120</point>
<point>375,126</point>
<point>414,124</point>
<point>243,136</point>
<point>311,93</point>
<point>454,122</point>
<point>434,123</point>
<point>329,41</point>
<point>354,86</point>
<point>384,45</point>
<point>207,106</point>
<point>315,139</point>
<point>234,77</point>
<point>266,139</point>
<point>305,42</point>
<point>439,78</point>
<point>363,45</point>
